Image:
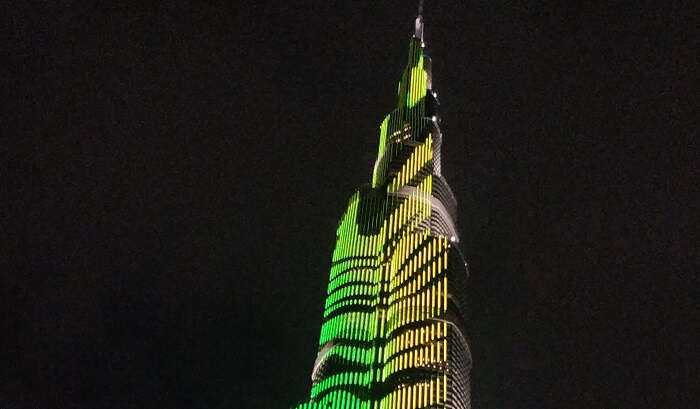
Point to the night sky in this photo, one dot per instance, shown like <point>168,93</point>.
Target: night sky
<point>176,173</point>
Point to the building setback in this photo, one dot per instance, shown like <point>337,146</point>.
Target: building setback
<point>392,334</point>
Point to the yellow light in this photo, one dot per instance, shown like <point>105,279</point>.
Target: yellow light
<point>414,305</point>
<point>444,386</point>
<point>437,388</point>
<point>444,350</point>
<point>445,290</point>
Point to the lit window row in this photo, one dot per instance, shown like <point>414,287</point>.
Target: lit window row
<point>358,326</point>
<point>355,289</point>
<point>415,337</point>
<point>350,243</point>
<point>353,244</point>
<point>421,155</point>
<point>429,303</point>
<point>352,353</point>
<point>344,378</point>
<point>405,246</point>
<point>349,264</point>
<point>341,399</point>
<point>423,282</point>
<point>416,396</point>
<point>412,338</point>
<point>432,355</point>
<point>360,274</point>
<point>426,187</point>
<point>408,261</point>
<point>355,302</point>
<point>407,216</point>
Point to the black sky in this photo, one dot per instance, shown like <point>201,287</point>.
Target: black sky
<point>177,172</point>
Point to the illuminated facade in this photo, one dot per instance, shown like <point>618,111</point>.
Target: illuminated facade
<point>392,334</point>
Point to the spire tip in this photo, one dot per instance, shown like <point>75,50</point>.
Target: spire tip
<point>419,23</point>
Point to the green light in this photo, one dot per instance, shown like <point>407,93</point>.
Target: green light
<point>388,273</point>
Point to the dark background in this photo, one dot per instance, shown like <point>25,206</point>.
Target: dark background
<point>177,171</point>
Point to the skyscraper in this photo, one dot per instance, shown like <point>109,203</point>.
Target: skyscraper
<point>392,334</point>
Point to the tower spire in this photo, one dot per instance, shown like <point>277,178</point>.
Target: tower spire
<point>419,23</point>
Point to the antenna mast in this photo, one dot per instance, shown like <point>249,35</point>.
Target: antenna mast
<point>419,23</point>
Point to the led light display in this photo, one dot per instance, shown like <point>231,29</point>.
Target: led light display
<point>392,334</point>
